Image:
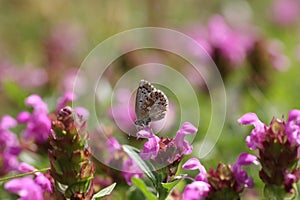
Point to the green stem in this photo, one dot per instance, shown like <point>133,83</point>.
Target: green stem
<point>24,174</point>
<point>162,192</point>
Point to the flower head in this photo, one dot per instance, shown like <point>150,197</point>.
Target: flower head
<point>232,43</point>
<point>224,180</point>
<point>166,150</point>
<point>69,156</point>
<point>278,145</point>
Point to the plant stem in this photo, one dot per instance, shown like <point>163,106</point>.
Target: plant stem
<point>23,174</point>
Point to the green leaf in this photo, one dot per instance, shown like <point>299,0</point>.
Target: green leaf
<point>169,186</point>
<point>139,183</point>
<point>104,192</point>
<point>133,153</point>
<point>15,93</point>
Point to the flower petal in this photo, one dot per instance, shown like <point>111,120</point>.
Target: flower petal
<point>248,118</point>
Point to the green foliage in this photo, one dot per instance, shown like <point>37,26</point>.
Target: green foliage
<point>104,192</point>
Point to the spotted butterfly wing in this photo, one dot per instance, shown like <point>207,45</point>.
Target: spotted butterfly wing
<point>151,104</point>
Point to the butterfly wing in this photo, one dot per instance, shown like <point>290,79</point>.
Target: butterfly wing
<point>143,103</point>
<point>150,105</point>
<point>160,106</point>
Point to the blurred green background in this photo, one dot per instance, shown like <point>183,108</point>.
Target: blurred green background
<point>26,27</point>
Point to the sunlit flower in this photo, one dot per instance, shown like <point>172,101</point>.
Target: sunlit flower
<point>216,183</point>
<point>165,150</point>
<point>278,145</point>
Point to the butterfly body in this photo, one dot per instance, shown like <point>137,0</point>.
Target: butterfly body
<point>151,104</point>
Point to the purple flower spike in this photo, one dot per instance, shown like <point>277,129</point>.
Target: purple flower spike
<point>197,190</point>
<point>26,188</point>
<point>232,43</point>
<point>181,143</point>
<point>151,148</point>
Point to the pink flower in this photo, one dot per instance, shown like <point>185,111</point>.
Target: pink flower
<point>151,148</point>
<point>165,150</point>
<point>26,188</point>
<point>121,112</point>
<point>40,178</point>
<point>182,145</point>
<point>197,190</point>
<point>9,145</point>
<point>258,134</point>
<point>241,175</point>
<point>233,44</point>
<point>293,127</point>
<point>193,164</point>
<point>113,145</point>
<point>64,100</point>
<point>286,12</point>
<point>38,123</point>
<point>130,169</point>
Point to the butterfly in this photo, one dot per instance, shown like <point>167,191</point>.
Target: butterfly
<point>151,104</point>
